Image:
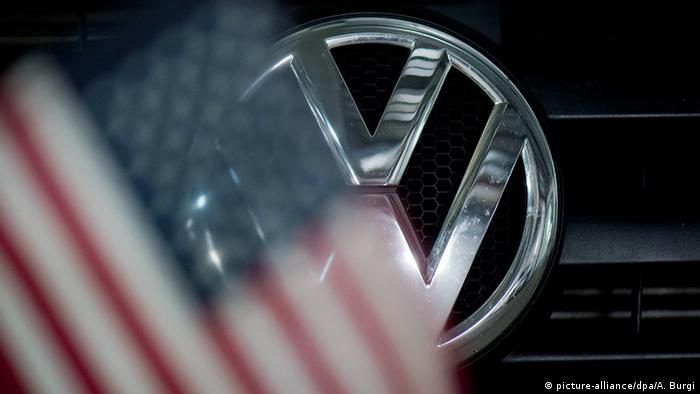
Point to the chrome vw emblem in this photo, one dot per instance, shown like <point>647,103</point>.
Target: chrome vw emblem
<point>379,160</point>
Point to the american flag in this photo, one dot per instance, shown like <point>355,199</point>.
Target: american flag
<point>157,235</point>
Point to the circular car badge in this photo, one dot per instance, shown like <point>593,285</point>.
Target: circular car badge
<point>432,132</point>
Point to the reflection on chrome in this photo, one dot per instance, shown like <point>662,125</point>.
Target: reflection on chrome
<point>377,159</point>
<point>258,228</point>
<point>212,253</point>
<point>232,173</point>
<point>326,267</point>
<point>341,122</point>
<point>200,202</point>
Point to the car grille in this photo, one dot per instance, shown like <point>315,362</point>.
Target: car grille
<point>628,281</point>
<point>619,311</point>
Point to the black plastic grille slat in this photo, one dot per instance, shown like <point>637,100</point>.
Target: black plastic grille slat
<point>370,71</point>
<point>60,28</point>
<point>598,305</point>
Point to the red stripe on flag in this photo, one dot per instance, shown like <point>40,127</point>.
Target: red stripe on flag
<point>94,262</point>
<point>230,350</point>
<point>293,328</point>
<point>367,323</point>
<point>10,380</point>
<point>362,314</point>
<point>17,264</point>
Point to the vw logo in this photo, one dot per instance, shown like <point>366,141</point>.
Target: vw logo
<point>375,161</point>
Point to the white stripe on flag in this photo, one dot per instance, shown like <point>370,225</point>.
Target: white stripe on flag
<point>335,333</point>
<point>23,336</point>
<point>113,220</point>
<point>267,348</point>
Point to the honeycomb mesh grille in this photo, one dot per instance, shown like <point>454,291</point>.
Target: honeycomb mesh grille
<point>441,157</point>
<point>439,162</point>
<point>371,72</point>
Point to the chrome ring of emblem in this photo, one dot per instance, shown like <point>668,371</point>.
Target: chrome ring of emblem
<point>511,132</point>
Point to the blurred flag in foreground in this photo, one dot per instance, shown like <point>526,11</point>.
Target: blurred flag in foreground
<point>157,235</point>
